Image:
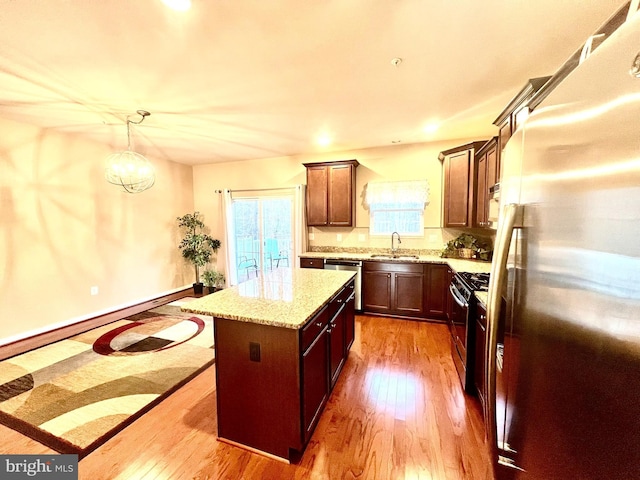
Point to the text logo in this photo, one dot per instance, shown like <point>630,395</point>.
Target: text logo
<point>50,467</point>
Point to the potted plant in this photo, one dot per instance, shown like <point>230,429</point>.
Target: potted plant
<point>213,280</point>
<point>196,246</point>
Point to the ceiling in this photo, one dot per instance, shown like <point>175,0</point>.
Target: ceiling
<point>249,79</point>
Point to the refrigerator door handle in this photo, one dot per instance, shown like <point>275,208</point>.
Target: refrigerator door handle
<point>511,216</point>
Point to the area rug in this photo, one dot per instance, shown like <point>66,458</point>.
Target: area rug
<point>75,394</point>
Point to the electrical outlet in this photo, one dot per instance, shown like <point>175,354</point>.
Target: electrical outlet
<point>362,237</point>
<point>339,237</point>
<point>432,238</point>
<point>254,352</point>
<point>312,236</point>
<point>94,290</point>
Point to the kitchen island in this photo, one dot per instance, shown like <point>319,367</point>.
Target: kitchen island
<point>281,341</point>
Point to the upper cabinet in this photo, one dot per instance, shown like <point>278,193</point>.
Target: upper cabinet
<point>460,185</point>
<point>486,177</point>
<point>331,192</point>
<point>514,115</point>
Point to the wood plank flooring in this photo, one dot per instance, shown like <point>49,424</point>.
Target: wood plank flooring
<point>397,412</point>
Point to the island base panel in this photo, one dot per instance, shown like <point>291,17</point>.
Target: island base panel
<point>257,399</point>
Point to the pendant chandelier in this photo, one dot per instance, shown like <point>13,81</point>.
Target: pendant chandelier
<point>129,169</point>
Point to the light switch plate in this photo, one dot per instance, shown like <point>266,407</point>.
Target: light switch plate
<point>339,237</point>
<point>312,236</point>
<point>362,237</point>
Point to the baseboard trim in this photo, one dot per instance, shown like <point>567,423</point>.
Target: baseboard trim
<point>40,339</point>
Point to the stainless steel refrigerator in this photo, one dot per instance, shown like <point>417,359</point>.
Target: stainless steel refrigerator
<point>564,297</point>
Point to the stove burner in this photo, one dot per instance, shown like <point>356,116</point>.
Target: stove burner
<point>476,281</point>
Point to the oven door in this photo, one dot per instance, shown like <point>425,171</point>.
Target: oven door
<point>458,321</point>
<point>458,314</point>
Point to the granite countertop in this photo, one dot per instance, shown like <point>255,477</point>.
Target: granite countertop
<point>457,264</point>
<point>483,297</point>
<point>286,297</point>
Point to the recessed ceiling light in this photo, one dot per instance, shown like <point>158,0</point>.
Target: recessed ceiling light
<point>178,5</point>
<point>396,141</point>
<point>396,61</point>
<point>431,127</point>
<point>324,140</point>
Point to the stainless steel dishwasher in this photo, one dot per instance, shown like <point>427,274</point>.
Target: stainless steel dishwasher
<point>353,266</point>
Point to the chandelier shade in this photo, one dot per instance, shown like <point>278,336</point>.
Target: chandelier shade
<point>129,169</point>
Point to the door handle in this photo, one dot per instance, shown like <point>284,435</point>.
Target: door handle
<point>510,215</point>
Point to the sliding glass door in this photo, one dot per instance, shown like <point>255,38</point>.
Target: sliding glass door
<point>263,234</point>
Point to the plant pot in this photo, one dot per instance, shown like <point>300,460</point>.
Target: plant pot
<point>198,288</point>
<point>466,253</point>
<point>211,289</point>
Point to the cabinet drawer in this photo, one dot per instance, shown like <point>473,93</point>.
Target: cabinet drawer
<point>393,267</point>
<point>311,262</point>
<point>313,327</point>
<point>337,301</point>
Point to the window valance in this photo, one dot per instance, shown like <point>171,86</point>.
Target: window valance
<point>407,192</point>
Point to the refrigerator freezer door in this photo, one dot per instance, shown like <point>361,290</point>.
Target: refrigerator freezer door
<point>575,300</point>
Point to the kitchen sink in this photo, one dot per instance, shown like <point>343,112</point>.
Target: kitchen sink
<point>396,257</point>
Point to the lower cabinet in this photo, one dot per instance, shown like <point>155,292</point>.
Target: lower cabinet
<point>393,288</point>
<point>315,371</point>
<point>273,382</point>
<point>405,289</point>
<point>436,290</point>
<point>326,341</point>
<point>337,345</point>
<point>479,372</point>
<point>311,262</point>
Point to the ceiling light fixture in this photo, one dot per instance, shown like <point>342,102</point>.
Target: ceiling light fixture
<point>129,169</point>
<point>178,5</point>
<point>430,128</point>
<point>324,140</point>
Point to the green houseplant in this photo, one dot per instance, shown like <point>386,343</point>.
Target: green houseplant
<point>213,279</point>
<point>196,246</point>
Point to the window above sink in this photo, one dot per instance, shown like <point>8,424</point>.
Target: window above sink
<point>397,207</point>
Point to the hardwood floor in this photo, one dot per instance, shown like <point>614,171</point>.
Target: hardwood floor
<point>397,412</point>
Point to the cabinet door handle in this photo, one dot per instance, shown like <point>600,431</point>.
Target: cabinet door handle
<point>318,324</point>
<point>339,300</point>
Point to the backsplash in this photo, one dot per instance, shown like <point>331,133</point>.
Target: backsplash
<point>400,251</point>
<point>358,240</point>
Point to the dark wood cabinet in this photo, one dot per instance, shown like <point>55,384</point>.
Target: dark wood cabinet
<point>331,193</point>
<point>513,116</point>
<point>350,317</point>
<point>376,289</point>
<point>436,290</point>
<point>393,288</point>
<point>337,345</point>
<point>307,262</point>
<point>459,184</point>
<point>315,371</point>
<point>486,168</point>
<point>480,364</point>
<point>273,382</point>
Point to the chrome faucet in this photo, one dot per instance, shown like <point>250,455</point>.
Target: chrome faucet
<point>395,249</point>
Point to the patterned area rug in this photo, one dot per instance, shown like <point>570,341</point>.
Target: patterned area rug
<point>75,394</point>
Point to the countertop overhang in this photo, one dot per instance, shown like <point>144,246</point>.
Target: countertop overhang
<point>286,297</point>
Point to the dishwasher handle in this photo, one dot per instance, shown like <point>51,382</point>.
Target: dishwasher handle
<point>347,263</point>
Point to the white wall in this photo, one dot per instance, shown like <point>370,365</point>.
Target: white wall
<point>398,162</point>
<point>64,229</point>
